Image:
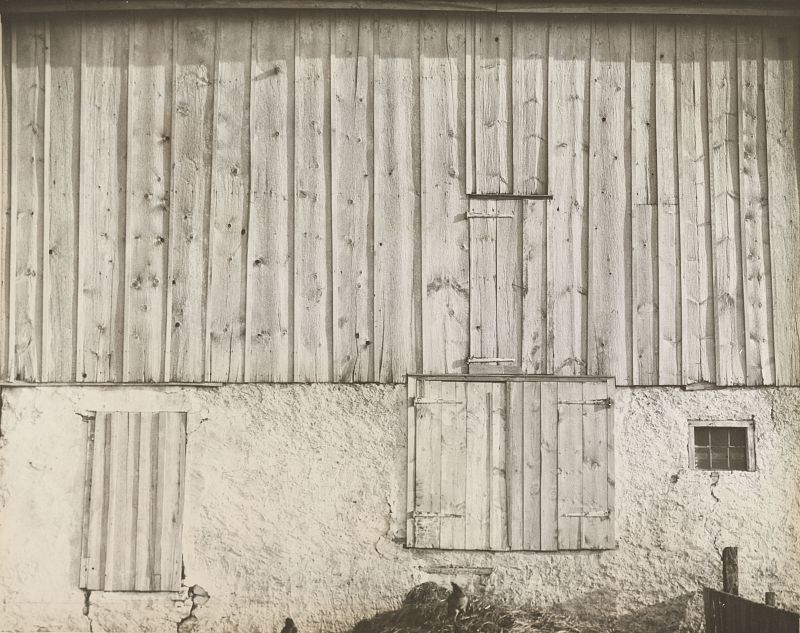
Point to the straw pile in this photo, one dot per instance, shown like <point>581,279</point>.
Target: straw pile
<point>424,610</point>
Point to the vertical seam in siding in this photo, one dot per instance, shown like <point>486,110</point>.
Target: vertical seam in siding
<point>166,359</point>
<point>12,218</point>
<point>126,209</point>
<point>44,318</point>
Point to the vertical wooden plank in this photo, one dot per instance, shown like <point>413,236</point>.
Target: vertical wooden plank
<point>453,465</point>
<point>469,70</point>
<point>351,197</point>
<point>28,127</point>
<point>644,213</point>
<point>149,167</point>
<point>96,530</point>
<point>313,330</point>
<point>668,248</point>
<point>595,465</point>
<point>148,428</point>
<point>87,500</point>
<point>6,282</point>
<point>171,510</point>
<point>445,231</point>
<point>493,134</point>
<point>781,86</point>
<point>532,466</point>
<point>508,318</point>
<point>190,197</point>
<point>397,329</point>
<point>567,215</point>
<point>723,132</point>
<point>117,527</point>
<point>609,349</point>
<point>753,185</point>
<point>181,421</point>
<point>160,462</point>
<point>131,498</point>
<point>611,473</point>
<point>529,105</point>
<point>697,318</point>
<point>230,186</point>
<point>103,169</point>
<point>515,454</point>
<point>483,279</point>
<point>534,342</point>
<point>428,485</point>
<point>498,509</point>
<point>570,465</point>
<point>269,266</point>
<point>549,465</point>
<point>477,509</point>
<point>63,156</point>
<point>411,452</point>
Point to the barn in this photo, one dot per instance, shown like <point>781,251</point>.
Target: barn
<point>306,302</point>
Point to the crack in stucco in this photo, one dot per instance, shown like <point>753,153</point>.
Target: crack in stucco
<point>87,595</point>
<point>199,597</point>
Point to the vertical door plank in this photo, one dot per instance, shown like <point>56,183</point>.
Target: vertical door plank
<point>595,465</point>
<point>99,484</point>
<point>171,510</point>
<point>549,465</point>
<point>454,465</point>
<point>534,342</point>
<point>230,186</point>
<point>753,184</point>
<point>668,248</point>
<point>148,429</point>
<point>698,362</point>
<point>27,200</point>
<point>611,481</point>
<point>529,105</point>
<point>269,247</point>
<point>515,454</point>
<point>532,465</point>
<point>483,279</point>
<point>190,198</point>
<point>725,213</point>
<point>493,134</point>
<point>781,85</point>
<point>131,499</point>
<point>478,465</point>
<point>313,345</point>
<point>63,155</point>
<point>609,349</point>
<point>117,536</point>
<point>445,231</point>
<point>508,317</point>
<point>6,275</point>
<point>147,223</point>
<point>644,212</point>
<point>428,485</point>
<point>397,208</point>
<point>498,507</point>
<point>567,215</point>
<point>412,392</point>
<point>104,79</point>
<point>159,478</point>
<point>351,197</point>
<point>570,465</point>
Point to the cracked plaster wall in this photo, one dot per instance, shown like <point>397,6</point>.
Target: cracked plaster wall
<point>295,502</point>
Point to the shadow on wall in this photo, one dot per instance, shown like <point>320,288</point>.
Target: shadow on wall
<point>680,614</point>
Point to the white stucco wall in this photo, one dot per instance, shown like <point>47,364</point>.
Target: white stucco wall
<point>295,503</point>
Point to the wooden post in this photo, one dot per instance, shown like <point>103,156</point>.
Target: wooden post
<point>730,570</point>
<point>770,599</point>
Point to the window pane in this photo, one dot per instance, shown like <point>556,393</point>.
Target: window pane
<point>701,458</point>
<point>739,437</point>
<point>700,436</point>
<point>719,457</point>
<point>719,436</point>
<point>738,459</point>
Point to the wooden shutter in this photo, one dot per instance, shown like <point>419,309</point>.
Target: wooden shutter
<point>134,502</point>
<point>511,464</point>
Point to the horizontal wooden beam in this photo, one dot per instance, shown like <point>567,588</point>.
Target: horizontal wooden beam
<point>750,8</point>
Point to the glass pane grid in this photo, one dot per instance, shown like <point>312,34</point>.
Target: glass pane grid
<point>720,448</point>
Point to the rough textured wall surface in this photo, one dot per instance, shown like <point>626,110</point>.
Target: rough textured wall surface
<point>295,503</point>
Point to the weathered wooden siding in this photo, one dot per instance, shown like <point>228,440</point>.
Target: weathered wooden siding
<point>286,197</point>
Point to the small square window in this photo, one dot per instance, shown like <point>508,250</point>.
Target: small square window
<point>722,445</point>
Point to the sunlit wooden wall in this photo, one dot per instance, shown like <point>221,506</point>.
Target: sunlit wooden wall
<point>289,197</point>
